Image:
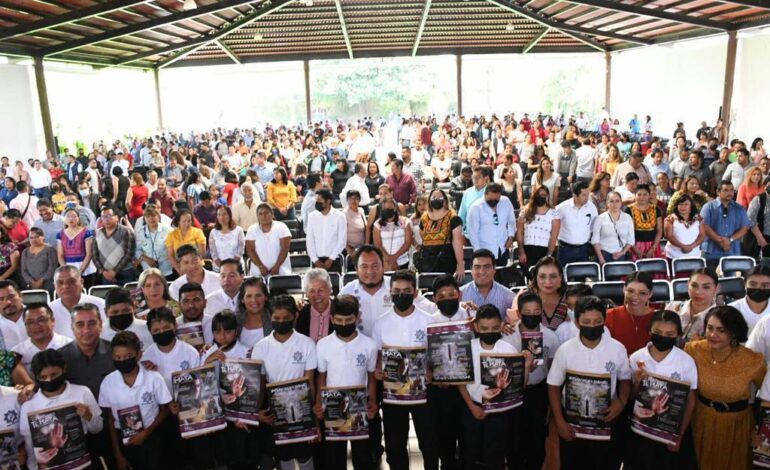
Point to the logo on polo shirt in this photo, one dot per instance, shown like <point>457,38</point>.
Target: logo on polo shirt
<point>11,417</point>
<point>676,376</point>
<point>609,367</point>
<point>361,360</point>
<point>419,336</point>
<point>147,398</point>
<point>184,365</point>
<point>297,357</point>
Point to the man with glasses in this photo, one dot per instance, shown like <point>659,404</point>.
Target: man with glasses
<point>69,289</point>
<point>484,289</point>
<point>39,321</point>
<point>725,222</point>
<point>114,249</point>
<point>492,224</point>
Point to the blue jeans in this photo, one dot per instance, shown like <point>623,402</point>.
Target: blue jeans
<point>571,254</point>
<point>41,193</point>
<point>608,257</point>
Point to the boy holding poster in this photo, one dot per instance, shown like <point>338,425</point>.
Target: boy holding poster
<point>665,388</point>
<point>589,384</point>
<point>401,336</point>
<point>346,364</point>
<point>286,356</point>
<point>135,400</point>
<point>478,424</point>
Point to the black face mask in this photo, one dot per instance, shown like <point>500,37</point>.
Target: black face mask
<point>490,338</point>
<point>403,301</point>
<point>319,206</point>
<point>344,331</point>
<point>121,322</point>
<point>388,213</point>
<point>662,343</point>
<point>592,333</point>
<point>282,327</point>
<point>437,204</point>
<point>531,321</point>
<point>758,295</point>
<point>164,338</point>
<point>493,202</point>
<point>51,385</point>
<point>540,201</point>
<point>448,307</point>
<point>126,365</point>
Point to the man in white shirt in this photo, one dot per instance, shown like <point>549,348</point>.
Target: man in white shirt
<point>40,180</point>
<point>492,224</point>
<point>25,203</point>
<point>628,190</point>
<point>357,182</point>
<point>69,289</point>
<point>267,244</point>
<point>226,298</point>
<point>38,318</point>
<point>405,326</point>
<point>120,310</point>
<point>326,234</point>
<point>577,216</point>
<point>12,328</point>
<point>756,305</point>
<point>314,184</point>
<point>191,265</point>
<point>192,303</point>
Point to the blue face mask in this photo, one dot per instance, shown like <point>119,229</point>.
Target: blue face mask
<point>70,205</point>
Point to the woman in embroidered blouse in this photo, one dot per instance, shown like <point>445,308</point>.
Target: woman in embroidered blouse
<point>648,225</point>
<point>537,228</point>
<point>226,240</point>
<point>393,235</point>
<point>441,231</point>
<point>547,282</point>
<point>151,243</point>
<point>75,244</point>
<point>701,297</point>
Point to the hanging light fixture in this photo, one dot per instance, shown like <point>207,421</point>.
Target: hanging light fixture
<point>509,27</point>
<point>189,5</point>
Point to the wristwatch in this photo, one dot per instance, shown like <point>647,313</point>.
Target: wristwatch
<point>731,239</point>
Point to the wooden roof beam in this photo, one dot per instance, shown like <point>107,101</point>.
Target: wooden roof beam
<point>344,26</point>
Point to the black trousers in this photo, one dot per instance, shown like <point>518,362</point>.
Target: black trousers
<point>336,455</point>
<point>486,440</point>
<point>447,405</point>
<point>146,456</point>
<point>395,419</point>
<point>100,446</point>
<point>197,453</point>
<point>580,454</point>
<point>530,431</point>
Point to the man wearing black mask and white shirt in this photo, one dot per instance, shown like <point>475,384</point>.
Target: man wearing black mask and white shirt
<point>756,305</point>
<point>120,311</point>
<point>326,233</point>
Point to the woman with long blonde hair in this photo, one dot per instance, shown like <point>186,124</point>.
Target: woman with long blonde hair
<point>751,187</point>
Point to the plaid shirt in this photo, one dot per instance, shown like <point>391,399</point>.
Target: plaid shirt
<point>115,252</point>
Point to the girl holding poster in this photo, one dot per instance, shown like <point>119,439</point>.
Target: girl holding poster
<point>665,391</point>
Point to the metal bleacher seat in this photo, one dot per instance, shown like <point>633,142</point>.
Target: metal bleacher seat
<point>349,277</point>
<point>284,284</point>
<point>300,263</point>
<point>298,245</point>
<point>732,288</point>
<point>468,255</point>
<point>335,278</point>
<point>661,292</point>
<point>679,288</point>
<point>425,280</point>
<point>730,266</point>
<point>467,279</point>
<point>100,291</point>
<point>654,266</point>
<point>617,270</point>
<point>682,267</point>
<point>612,290</point>
<point>34,296</point>
<point>131,285</point>
<point>582,272</point>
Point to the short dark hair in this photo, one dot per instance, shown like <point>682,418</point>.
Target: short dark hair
<point>37,305</point>
<point>21,186</point>
<point>204,195</point>
<point>483,253</point>
<point>724,183</point>
<point>117,295</point>
<point>667,316</point>
<point>353,193</point>
<point>590,302</point>
<point>109,206</point>
<point>578,187</point>
<point>9,283</point>
<point>191,287</point>
<point>637,154</point>
<point>368,248</point>
<point>43,203</point>
<point>180,213</point>
<point>758,270</point>
<point>233,262</point>
<point>404,275</point>
<point>312,180</point>
<point>578,289</point>
<point>12,214</point>
<point>127,339</point>
<point>285,302</point>
<point>445,280</point>
<point>47,358</point>
<point>345,305</point>
<point>225,320</point>
<point>631,176</point>
<point>487,311</point>
<point>160,314</point>
<point>731,320</point>
<point>324,194</point>
<point>527,297</point>
<point>495,188</point>
<point>643,187</point>
<point>185,250</point>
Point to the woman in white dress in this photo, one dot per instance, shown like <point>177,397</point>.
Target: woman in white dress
<point>393,235</point>
<point>226,240</point>
<point>683,230</point>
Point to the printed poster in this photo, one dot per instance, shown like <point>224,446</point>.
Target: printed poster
<point>586,398</point>
<point>659,408</point>
<point>240,383</point>
<point>200,407</point>
<point>292,406</point>
<point>503,376</point>
<point>532,341</point>
<point>345,413</point>
<point>9,450</point>
<point>130,421</point>
<point>761,448</point>
<point>405,375</point>
<point>59,439</point>
<point>449,352</point>
<point>191,333</point>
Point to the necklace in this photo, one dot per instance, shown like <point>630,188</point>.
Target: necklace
<point>633,321</point>
<point>715,361</point>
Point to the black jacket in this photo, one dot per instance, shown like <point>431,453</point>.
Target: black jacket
<point>303,321</point>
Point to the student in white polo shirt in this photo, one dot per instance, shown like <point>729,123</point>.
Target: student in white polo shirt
<point>346,358</point>
<point>9,423</point>
<point>662,357</point>
<point>39,321</point>
<point>287,355</point>
<point>121,316</point>
<point>591,353</point>
<point>167,354</point>
<point>446,297</point>
<point>531,425</point>
<point>136,402</point>
<point>49,370</point>
<point>405,326</point>
<point>756,305</point>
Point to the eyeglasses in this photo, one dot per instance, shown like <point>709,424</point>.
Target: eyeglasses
<point>40,322</point>
<point>495,219</point>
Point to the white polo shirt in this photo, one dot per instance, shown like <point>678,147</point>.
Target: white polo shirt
<point>501,347</point>
<point>27,349</point>
<point>238,351</point>
<point>346,363</point>
<point>410,331</point>
<point>21,328</point>
<point>373,306</point>
<point>148,392</point>
<point>764,391</point>
<point>550,345</point>
<point>751,318</point>
<point>438,317</point>
<point>250,337</point>
<point>677,365</point>
<point>210,284</point>
<point>759,339</point>
<point>72,394</point>
<point>9,334</point>
<point>181,357</point>
<point>139,327</point>
<point>288,360</point>
<point>268,246</point>
<point>218,301</point>
<point>576,222</point>
<point>9,421</point>
<point>63,316</point>
<point>608,357</point>
<point>208,335</point>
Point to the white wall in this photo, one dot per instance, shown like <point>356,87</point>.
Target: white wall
<point>751,94</point>
<point>21,130</point>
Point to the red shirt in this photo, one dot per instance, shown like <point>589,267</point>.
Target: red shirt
<point>633,332</point>
<point>229,191</point>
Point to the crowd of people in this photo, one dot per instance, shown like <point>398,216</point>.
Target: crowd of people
<point>183,229</point>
